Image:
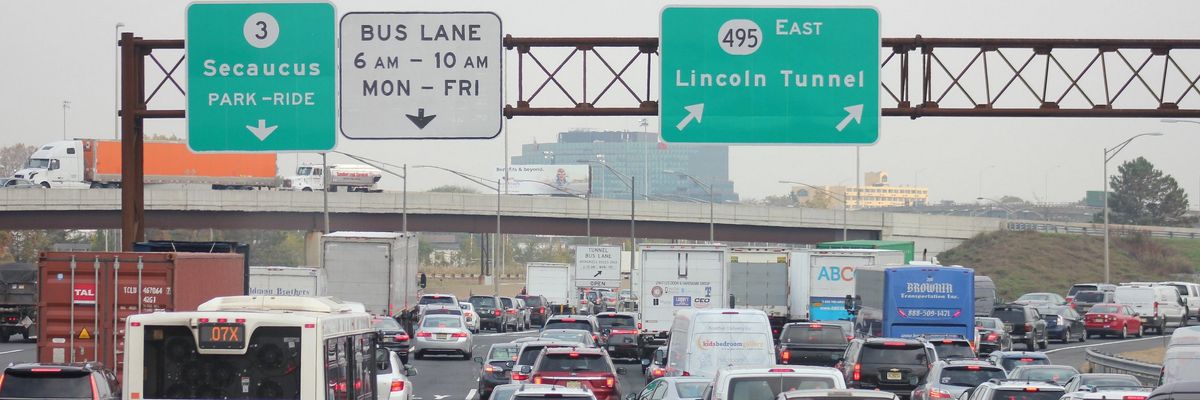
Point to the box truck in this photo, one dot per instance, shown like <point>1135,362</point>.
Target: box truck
<point>758,280</point>
<point>287,281</point>
<point>678,277</point>
<point>553,281</point>
<point>821,279</point>
<point>18,301</point>
<point>96,163</point>
<point>377,269</point>
<point>908,247</point>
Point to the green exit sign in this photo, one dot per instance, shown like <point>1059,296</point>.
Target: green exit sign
<point>770,75</point>
<point>261,77</point>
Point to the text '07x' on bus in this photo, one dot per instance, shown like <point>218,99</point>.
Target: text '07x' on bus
<point>252,347</point>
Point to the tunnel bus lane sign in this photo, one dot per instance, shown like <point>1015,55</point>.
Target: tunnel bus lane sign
<point>261,77</point>
<point>770,75</point>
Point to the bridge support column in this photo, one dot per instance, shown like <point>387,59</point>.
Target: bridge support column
<point>312,248</point>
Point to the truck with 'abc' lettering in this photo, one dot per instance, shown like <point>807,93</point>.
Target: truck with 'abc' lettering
<point>820,280</point>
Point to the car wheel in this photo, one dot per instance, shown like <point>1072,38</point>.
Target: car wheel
<point>418,356</point>
<point>467,356</point>
<point>1125,332</point>
<point>1084,337</point>
<point>1183,321</point>
<point>1045,342</point>
<point>1031,345</point>
<point>1087,335</point>
<point>1140,332</point>
<point>1066,336</point>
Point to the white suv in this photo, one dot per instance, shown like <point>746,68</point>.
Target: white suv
<point>767,382</point>
<point>1157,305</point>
<point>1191,295</point>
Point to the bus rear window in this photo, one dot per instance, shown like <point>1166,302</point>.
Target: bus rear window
<point>175,369</point>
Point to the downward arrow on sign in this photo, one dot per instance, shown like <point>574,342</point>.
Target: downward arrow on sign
<point>420,120</point>
<point>262,130</point>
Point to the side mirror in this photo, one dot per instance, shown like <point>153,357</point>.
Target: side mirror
<point>621,371</point>
<point>410,371</point>
<point>479,360</point>
<point>509,364</point>
<point>631,397</point>
<point>526,369</point>
<point>645,362</point>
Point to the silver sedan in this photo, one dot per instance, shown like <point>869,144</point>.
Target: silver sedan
<point>442,334</point>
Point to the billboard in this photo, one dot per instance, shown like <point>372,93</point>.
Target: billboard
<point>559,180</point>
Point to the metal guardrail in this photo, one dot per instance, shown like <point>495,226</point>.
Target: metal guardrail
<point>1148,374</point>
<point>1098,230</point>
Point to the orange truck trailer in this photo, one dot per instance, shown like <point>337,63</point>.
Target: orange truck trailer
<point>96,163</point>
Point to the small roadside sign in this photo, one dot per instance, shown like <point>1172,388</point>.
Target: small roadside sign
<point>421,75</point>
<point>598,266</point>
<point>261,77</point>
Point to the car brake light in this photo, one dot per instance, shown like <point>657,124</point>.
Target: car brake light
<point>973,367</point>
<point>939,394</point>
<point>1031,389</point>
<point>512,311</point>
<point>815,326</point>
<point>489,369</point>
<point>893,343</point>
<point>459,334</point>
<point>785,355</point>
<point>573,355</point>
<point>567,320</point>
<point>202,320</point>
<point>541,310</point>
<point>781,370</point>
<point>1028,327</point>
<point>401,337</point>
<point>685,373</point>
<point>497,312</point>
<point>608,382</point>
<point>1156,308</point>
<point>424,334</point>
<point>45,370</point>
<point>517,376</point>
<point>468,314</point>
<point>658,373</point>
<point>1134,398</point>
<point>95,393</point>
<point>992,337</point>
<point>397,385</point>
<point>639,325</point>
<point>537,380</point>
<point>1026,360</point>
<point>947,341</point>
<point>857,372</point>
<point>624,332</point>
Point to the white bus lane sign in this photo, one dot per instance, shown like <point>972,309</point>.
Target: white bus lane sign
<point>598,266</point>
<point>260,77</point>
<point>421,75</point>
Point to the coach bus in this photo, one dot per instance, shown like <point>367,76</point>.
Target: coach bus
<point>252,347</point>
<point>915,301</point>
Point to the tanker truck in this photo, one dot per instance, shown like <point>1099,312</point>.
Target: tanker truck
<point>352,177</point>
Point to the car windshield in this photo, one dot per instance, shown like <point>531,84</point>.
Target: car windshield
<point>969,377</point>
<point>884,354</point>
<point>573,362</point>
<point>575,336</point>
<point>690,390</point>
<point>506,392</point>
<point>769,387</point>
<point>303,171</point>
<point>1010,315</point>
<point>1111,382</point>
<point>534,301</point>
<point>954,349</point>
<point>443,311</point>
<point>1105,309</point>
<point>1089,297</point>
<point>1079,288</point>
<point>507,302</point>
<point>505,353</point>
<point>46,386</point>
<point>814,334</point>
<point>1022,394</point>
<point>37,163</point>
<point>427,300</point>
<point>480,302</point>
<point>563,324</point>
<point>616,321</point>
<point>442,323</point>
<point>1034,296</point>
<point>529,354</point>
<point>386,324</point>
<point>1013,362</point>
<point>990,323</point>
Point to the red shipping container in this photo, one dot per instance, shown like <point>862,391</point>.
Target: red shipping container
<point>79,312</point>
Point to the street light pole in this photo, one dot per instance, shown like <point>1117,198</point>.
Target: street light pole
<point>483,182</point>
<point>66,105</point>
<point>707,188</point>
<point>1109,153</point>
<point>843,197</point>
<point>630,182</point>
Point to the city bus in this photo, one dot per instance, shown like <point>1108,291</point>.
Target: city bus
<point>915,301</point>
<point>259,347</point>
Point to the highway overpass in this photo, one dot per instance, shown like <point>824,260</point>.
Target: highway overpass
<point>458,212</point>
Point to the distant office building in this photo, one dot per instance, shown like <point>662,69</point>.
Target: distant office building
<point>876,192</point>
<point>640,155</point>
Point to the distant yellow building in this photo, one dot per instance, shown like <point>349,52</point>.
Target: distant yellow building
<point>876,192</point>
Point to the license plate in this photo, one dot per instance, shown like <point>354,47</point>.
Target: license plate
<point>611,348</point>
<point>441,336</point>
<point>388,339</point>
<point>574,384</point>
<point>893,376</point>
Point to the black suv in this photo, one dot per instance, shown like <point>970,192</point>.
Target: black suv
<point>811,343</point>
<point>491,312</point>
<point>1024,323</point>
<point>538,308</point>
<point>619,334</point>
<point>48,381</point>
<point>887,364</point>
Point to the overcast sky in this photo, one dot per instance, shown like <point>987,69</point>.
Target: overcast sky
<point>64,50</point>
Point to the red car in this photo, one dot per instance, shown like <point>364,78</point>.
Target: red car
<point>578,367</point>
<point>1112,319</point>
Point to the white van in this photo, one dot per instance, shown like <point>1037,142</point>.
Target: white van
<point>1180,364</point>
<point>1157,305</point>
<point>701,341</point>
<point>1191,295</point>
<point>749,383</point>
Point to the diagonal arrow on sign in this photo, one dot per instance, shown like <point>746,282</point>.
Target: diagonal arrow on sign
<point>853,112</point>
<point>695,111</point>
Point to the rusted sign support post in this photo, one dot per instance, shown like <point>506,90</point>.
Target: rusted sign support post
<point>134,111</point>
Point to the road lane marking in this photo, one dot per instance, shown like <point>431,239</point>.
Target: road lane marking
<point>1084,346</point>
<point>440,396</point>
<point>11,351</point>
<point>471,394</point>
